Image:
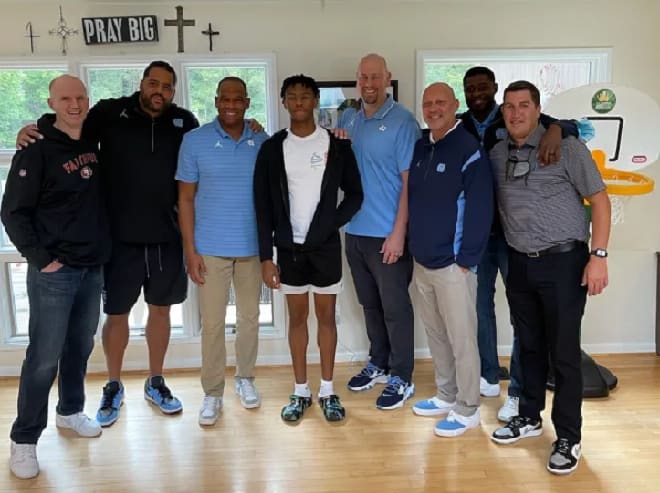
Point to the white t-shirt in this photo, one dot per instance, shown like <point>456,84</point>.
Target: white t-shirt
<point>304,160</point>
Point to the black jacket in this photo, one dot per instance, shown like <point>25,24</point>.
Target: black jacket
<point>271,196</point>
<point>140,157</point>
<point>53,207</point>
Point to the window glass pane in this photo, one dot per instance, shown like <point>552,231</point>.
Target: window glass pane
<point>549,76</point>
<point>265,308</point>
<point>450,73</point>
<point>202,83</point>
<point>112,82</point>
<point>19,299</point>
<point>25,92</point>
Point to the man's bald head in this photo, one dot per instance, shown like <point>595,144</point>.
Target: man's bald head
<point>68,99</point>
<point>65,80</point>
<point>439,107</point>
<point>373,79</point>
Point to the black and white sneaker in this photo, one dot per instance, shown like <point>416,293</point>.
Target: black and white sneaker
<point>564,457</point>
<point>518,427</point>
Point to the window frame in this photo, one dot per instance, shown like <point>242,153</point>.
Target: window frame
<point>600,60</point>
<point>80,66</point>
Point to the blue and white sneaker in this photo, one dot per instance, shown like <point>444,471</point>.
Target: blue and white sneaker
<point>433,407</point>
<point>111,402</point>
<point>395,393</point>
<point>156,392</point>
<point>369,376</point>
<point>455,424</point>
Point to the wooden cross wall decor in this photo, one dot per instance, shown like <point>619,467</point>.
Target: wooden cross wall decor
<point>63,31</point>
<point>179,22</point>
<point>210,33</point>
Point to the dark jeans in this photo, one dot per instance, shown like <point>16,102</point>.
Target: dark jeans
<point>547,303</point>
<point>382,290</point>
<point>496,258</point>
<point>64,314</point>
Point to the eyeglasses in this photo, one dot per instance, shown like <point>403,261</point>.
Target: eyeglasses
<point>518,168</point>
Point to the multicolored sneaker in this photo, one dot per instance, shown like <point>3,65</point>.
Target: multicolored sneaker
<point>565,457</point>
<point>111,402</point>
<point>332,408</point>
<point>395,393</point>
<point>296,407</point>
<point>369,376</point>
<point>156,392</point>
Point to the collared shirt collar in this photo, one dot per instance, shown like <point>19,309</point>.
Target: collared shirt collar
<point>533,140</point>
<point>247,132</point>
<point>458,122</point>
<point>382,111</point>
<point>482,126</point>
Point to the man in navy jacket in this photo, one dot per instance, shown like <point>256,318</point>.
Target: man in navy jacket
<point>450,206</point>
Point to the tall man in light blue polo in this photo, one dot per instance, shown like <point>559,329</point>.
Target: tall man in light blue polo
<point>218,225</point>
<point>384,135</point>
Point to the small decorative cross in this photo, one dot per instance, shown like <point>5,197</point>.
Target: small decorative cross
<point>63,31</point>
<point>31,35</point>
<point>210,33</point>
<point>179,22</point>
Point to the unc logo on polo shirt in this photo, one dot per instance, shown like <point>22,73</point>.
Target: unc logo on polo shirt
<point>440,168</point>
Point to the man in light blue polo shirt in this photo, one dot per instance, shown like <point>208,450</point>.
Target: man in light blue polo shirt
<point>384,135</point>
<point>218,225</point>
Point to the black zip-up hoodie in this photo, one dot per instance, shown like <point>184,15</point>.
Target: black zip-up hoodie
<point>271,196</point>
<point>53,207</point>
<point>140,157</point>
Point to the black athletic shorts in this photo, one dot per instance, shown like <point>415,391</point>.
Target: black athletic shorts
<point>320,267</point>
<point>159,269</point>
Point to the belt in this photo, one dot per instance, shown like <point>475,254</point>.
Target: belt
<point>563,248</point>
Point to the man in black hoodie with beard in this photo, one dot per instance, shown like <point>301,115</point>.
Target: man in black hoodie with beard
<point>54,212</point>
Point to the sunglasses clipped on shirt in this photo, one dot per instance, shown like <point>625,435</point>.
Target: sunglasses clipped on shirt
<point>517,168</point>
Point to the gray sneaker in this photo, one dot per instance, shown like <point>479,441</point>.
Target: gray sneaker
<point>210,410</point>
<point>248,393</point>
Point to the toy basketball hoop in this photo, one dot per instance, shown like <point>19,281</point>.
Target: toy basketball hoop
<point>626,122</point>
<point>621,185</point>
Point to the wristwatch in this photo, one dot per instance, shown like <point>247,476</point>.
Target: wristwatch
<point>599,252</point>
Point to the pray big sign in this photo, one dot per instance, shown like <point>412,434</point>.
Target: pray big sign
<point>132,29</point>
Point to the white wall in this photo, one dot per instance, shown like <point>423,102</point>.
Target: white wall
<point>326,38</point>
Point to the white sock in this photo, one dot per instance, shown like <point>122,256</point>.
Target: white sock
<point>326,388</point>
<point>302,390</point>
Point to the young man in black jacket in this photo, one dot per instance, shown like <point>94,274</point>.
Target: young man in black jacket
<point>54,213</point>
<point>298,174</point>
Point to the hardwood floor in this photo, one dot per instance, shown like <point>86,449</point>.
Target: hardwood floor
<point>372,451</point>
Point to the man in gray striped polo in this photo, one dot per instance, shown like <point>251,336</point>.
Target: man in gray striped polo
<point>551,269</point>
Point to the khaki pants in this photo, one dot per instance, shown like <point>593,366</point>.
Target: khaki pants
<point>245,273</point>
<point>448,312</point>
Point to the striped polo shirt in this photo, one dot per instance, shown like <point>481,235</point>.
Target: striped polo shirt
<point>222,168</point>
<point>544,208</point>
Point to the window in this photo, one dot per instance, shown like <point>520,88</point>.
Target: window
<point>200,81</point>
<point>106,81</point>
<point>111,77</point>
<point>552,71</point>
<point>24,90</point>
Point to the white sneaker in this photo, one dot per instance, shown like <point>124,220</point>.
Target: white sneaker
<point>23,460</point>
<point>208,413</point>
<point>456,424</point>
<point>488,389</point>
<point>248,393</point>
<point>509,409</point>
<point>80,423</point>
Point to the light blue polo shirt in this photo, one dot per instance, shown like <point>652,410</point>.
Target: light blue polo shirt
<point>225,221</point>
<point>383,146</point>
